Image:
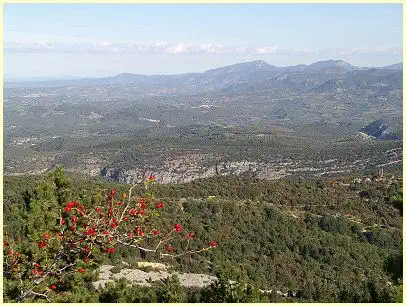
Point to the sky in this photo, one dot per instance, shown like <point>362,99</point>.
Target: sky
<point>94,40</point>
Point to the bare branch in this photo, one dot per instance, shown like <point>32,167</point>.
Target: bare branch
<point>136,246</point>
<point>128,202</point>
<point>40,294</point>
<point>185,253</point>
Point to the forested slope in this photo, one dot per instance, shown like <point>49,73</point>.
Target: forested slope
<point>336,241</point>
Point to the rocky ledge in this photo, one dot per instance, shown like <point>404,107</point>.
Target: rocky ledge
<point>143,278</point>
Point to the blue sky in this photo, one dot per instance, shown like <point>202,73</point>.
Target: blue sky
<point>74,40</point>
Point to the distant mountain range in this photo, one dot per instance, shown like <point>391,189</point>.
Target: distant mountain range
<point>119,121</point>
<point>218,78</point>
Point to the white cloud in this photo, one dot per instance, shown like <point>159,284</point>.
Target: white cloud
<point>25,46</point>
<point>378,50</point>
<point>371,50</point>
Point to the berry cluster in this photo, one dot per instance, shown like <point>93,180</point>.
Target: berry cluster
<point>83,232</point>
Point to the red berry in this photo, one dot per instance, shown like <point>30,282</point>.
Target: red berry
<point>133,212</point>
<point>155,232</point>
<point>74,219</point>
<point>142,212</point>
<point>113,192</point>
<point>125,219</point>
<point>41,244</point>
<point>131,234</point>
<point>68,206</point>
<point>120,203</point>
<point>98,209</point>
<point>81,270</point>
<point>5,243</point>
<point>177,227</point>
<point>10,252</point>
<point>213,244</point>
<point>61,221</point>
<point>34,271</point>
<point>46,236</point>
<point>143,204</point>
<point>87,260</point>
<point>191,235</point>
<point>52,287</point>
<point>169,248</point>
<point>160,205</point>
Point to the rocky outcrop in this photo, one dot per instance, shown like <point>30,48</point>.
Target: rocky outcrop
<point>380,130</point>
<point>174,172</point>
<point>142,278</point>
<point>188,167</point>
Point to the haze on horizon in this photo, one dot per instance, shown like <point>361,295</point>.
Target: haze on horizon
<point>95,40</point>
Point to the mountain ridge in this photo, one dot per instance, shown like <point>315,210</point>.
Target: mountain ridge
<point>225,75</point>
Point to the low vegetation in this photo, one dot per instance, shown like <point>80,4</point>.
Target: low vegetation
<point>277,241</point>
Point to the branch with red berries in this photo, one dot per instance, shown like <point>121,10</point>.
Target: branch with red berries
<point>83,234</point>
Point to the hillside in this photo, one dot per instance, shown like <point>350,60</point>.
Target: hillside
<point>289,180</point>
<point>282,117</point>
<point>321,241</point>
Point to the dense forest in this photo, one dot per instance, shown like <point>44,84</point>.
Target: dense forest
<point>314,240</point>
